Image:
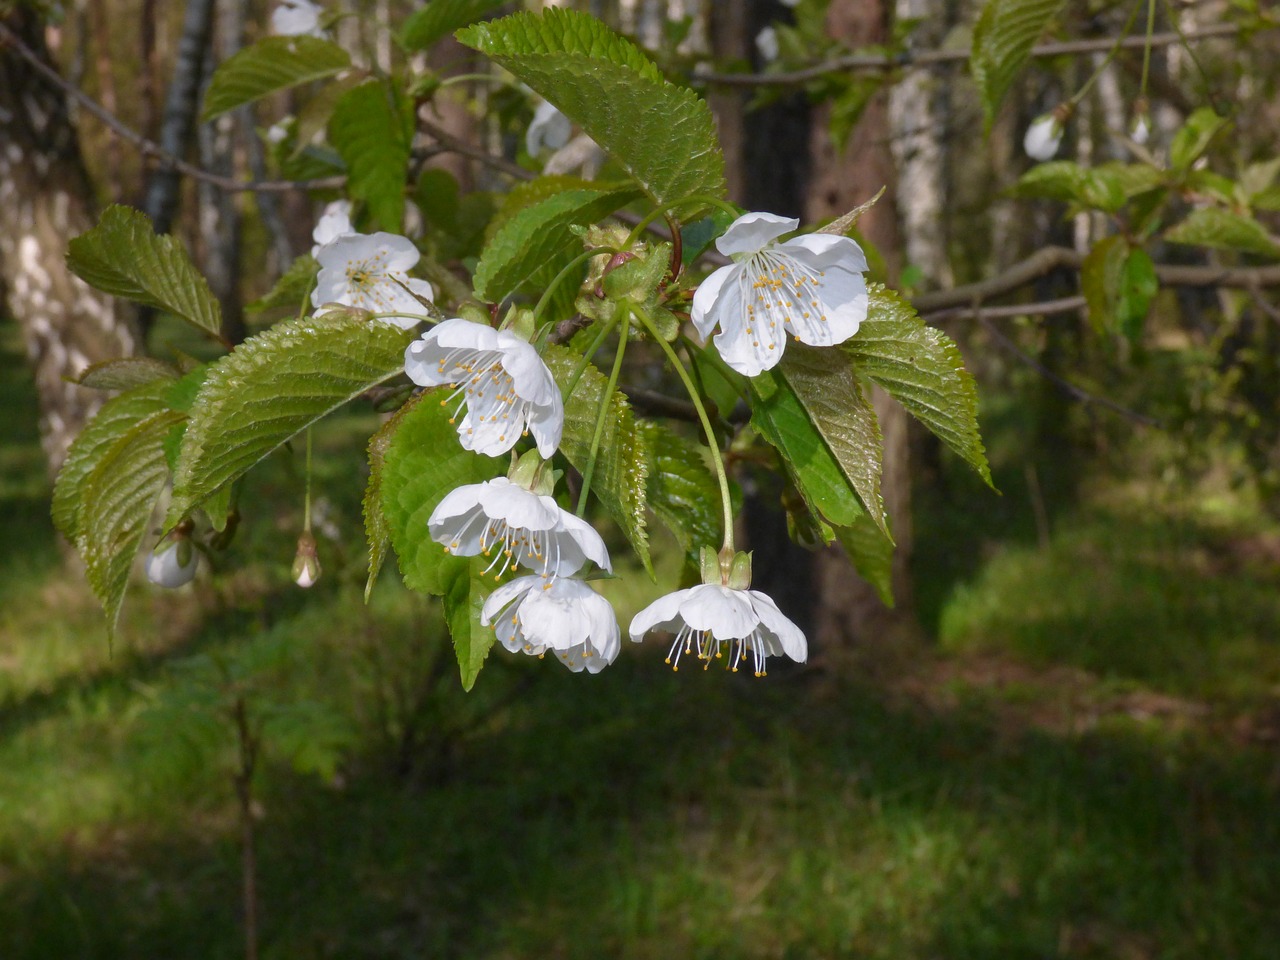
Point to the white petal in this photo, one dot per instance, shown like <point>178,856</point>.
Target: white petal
<point>753,231</point>
<point>532,379</point>
<point>165,569</point>
<point>550,128</point>
<point>547,424</point>
<point>842,298</point>
<point>788,634</point>
<point>397,254</point>
<point>505,594</point>
<point>517,507</point>
<point>767,44</point>
<point>829,249</point>
<point>744,354</point>
<point>706,310</point>
<point>727,614</point>
<point>587,539</point>
<point>662,614</point>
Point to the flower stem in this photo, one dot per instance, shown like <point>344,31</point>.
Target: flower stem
<point>606,402</point>
<point>717,458</point>
<point>306,500</point>
<point>562,276</point>
<point>1146,50</point>
<point>590,352</point>
<point>1106,61</point>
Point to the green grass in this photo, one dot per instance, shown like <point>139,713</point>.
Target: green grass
<point>637,814</point>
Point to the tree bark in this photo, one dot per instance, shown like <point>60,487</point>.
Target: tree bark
<point>45,199</point>
<point>851,622</point>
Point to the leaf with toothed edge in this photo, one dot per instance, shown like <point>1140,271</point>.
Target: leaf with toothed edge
<point>623,462</point>
<point>274,386</point>
<point>271,64</point>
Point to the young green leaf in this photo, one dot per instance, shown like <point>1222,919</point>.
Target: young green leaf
<point>123,256</point>
<point>1063,180</point>
<point>1224,230</point>
<point>125,373</point>
<point>1194,138</point>
<point>271,64</point>
<point>437,19</point>
<point>624,459</point>
<point>682,490</point>
<point>464,596</point>
<point>291,290</point>
<point>871,553</point>
<point>1138,287</point>
<point>539,236</point>
<point>1100,276</point>
<point>119,495</point>
<point>664,135</point>
<point>117,417</point>
<point>414,462</point>
<point>371,128</point>
<point>273,387</point>
<point>1003,36</point>
<point>922,369</point>
<point>830,444</point>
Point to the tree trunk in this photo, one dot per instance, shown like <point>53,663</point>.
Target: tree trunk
<point>851,622</point>
<point>45,199</point>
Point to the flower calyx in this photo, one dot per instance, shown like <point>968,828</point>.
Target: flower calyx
<point>726,567</point>
<point>533,473</point>
<point>306,564</point>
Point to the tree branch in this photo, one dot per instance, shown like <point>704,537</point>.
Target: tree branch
<point>875,63</point>
<point>149,148</point>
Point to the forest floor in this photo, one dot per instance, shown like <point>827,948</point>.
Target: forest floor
<point>1081,760</point>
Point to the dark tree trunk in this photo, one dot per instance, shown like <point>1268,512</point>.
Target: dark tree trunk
<point>851,622</point>
<point>45,199</point>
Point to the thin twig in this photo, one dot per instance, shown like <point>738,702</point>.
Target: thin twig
<point>1041,308</point>
<point>1066,386</point>
<point>149,148</point>
<point>869,62</point>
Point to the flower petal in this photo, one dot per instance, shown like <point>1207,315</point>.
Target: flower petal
<point>829,249</point>
<point>726,614</point>
<point>753,231</point>
<point>706,310</point>
<point>662,614</point>
<point>776,622</point>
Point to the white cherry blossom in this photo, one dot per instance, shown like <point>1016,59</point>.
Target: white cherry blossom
<point>173,563</point>
<point>371,272</point>
<point>296,18</point>
<point>507,388</point>
<point>1043,137</point>
<point>1140,133</point>
<point>549,129</point>
<point>334,222</point>
<point>565,617</point>
<point>502,519</point>
<point>811,287</point>
<point>709,617</point>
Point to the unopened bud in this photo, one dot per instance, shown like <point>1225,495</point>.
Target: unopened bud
<point>306,565</point>
<point>173,562</point>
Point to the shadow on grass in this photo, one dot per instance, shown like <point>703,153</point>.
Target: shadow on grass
<point>642,815</point>
<point>1136,594</point>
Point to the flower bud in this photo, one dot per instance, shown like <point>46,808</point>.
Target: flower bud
<point>1043,137</point>
<point>306,565</point>
<point>173,562</point>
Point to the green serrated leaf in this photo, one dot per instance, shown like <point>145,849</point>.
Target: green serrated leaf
<point>682,490</point>
<point>664,135</point>
<point>291,290</point>
<point>621,476</point>
<point>123,256</point>
<point>117,417</point>
<point>376,528</point>
<point>464,596</point>
<point>125,373</point>
<point>120,494</point>
<point>539,237</point>
<point>1138,287</point>
<point>271,64</point>
<point>1003,36</point>
<point>871,553</point>
<point>825,384</point>
<point>273,387</point>
<point>1100,275</point>
<point>1064,180</point>
<point>437,19</point>
<point>372,129</point>
<point>922,369</point>
<point>1224,230</point>
<point>421,461</point>
<point>1194,138</point>
<point>812,409</point>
